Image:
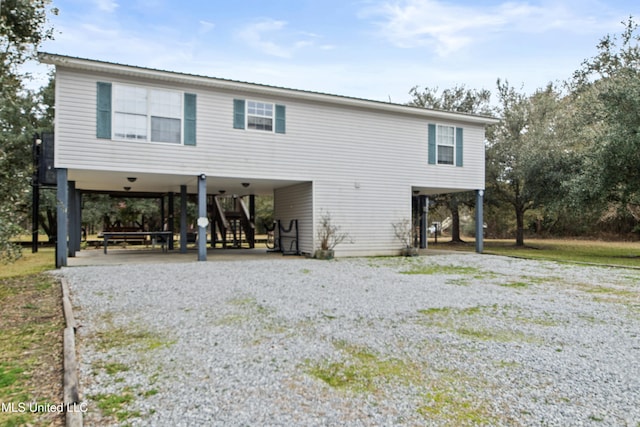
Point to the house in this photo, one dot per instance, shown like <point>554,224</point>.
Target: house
<point>363,162</point>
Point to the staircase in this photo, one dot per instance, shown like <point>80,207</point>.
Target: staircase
<point>232,225</point>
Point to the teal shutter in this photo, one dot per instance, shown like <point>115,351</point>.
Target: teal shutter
<point>432,144</point>
<point>238,113</point>
<point>459,147</point>
<point>189,119</point>
<point>103,111</point>
<point>280,119</point>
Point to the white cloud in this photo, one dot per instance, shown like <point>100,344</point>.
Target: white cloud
<point>448,28</point>
<point>271,37</point>
<point>106,5</point>
<point>205,27</point>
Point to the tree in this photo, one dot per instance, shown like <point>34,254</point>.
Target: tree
<point>461,100</point>
<point>528,161</point>
<point>23,28</point>
<point>610,81</point>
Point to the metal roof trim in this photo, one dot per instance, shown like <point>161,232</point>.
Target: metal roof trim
<point>234,85</point>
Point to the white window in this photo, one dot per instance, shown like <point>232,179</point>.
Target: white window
<point>260,116</point>
<point>446,138</point>
<point>142,114</point>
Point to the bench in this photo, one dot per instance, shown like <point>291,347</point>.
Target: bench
<point>124,234</point>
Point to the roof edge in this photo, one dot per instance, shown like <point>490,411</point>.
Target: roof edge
<point>178,77</point>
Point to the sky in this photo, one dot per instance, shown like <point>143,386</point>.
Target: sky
<point>371,49</point>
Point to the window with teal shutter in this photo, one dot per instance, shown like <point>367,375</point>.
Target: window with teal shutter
<point>238,113</point>
<point>445,145</point>
<point>103,110</point>
<point>280,119</point>
<point>189,119</point>
<point>459,147</point>
<point>432,144</point>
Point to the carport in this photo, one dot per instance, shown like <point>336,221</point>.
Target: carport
<point>73,183</point>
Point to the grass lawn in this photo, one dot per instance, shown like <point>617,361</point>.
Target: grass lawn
<point>625,254</point>
<point>31,328</point>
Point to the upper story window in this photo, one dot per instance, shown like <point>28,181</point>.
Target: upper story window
<point>445,145</point>
<point>446,139</point>
<point>259,116</point>
<point>262,116</point>
<point>134,113</point>
<point>147,114</point>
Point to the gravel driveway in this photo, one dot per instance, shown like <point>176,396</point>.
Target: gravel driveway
<point>451,339</point>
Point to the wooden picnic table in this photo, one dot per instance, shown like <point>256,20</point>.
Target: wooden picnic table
<point>165,235</point>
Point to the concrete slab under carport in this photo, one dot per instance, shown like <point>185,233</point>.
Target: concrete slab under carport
<point>132,256</point>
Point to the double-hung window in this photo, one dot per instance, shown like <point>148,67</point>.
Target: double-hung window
<point>259,116</point>
<point>134,113</point>
<point>445,145</point>
<point>147,114</point>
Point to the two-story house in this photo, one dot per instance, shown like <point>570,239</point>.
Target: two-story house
<point>361,161</point>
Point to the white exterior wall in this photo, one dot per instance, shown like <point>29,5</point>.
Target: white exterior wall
<point>362,162</point>
<point>296,202</point>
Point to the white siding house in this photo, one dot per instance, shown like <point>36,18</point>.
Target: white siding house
<point>362,161</point>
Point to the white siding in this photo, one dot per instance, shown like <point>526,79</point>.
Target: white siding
<point>362,162</point>
<point>296,202</point>
<point>322,142</point>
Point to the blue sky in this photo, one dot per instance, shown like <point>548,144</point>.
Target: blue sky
<point>374,49</point>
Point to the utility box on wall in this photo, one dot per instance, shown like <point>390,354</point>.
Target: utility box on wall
<point>46,169</point>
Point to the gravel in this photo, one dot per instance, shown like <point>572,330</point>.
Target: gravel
<point>469,340</point>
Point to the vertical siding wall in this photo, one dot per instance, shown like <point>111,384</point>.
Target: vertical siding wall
<point>296,202</point>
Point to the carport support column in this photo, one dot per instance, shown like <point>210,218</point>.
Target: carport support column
<point>183,219</point>
<point>202,217</point>
<point>171,224</point>
<point>62,203</point>
<point>424,212</point>
<point>479,221</point>
<point>74,220</point>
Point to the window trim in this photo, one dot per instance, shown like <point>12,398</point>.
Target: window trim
<point>240,113</point>
<point>149,117</point>
<point>246,116</point>
<point>433,145</point>
<point>452,145</point>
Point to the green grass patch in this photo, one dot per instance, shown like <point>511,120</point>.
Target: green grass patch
<point>113,368</point>
<point>468,311</point>
<point>133,336</point>
<point>442,269</point>
<point>9,374</point>
<point>114,405</point>
<point>150,393</point>
<point>461,321</point>
<point>361,370</point>
<point>572,251</point>
<point>495,334</point>
<point>455,407</point>
<point>29,263</point>
<point>515,285</point>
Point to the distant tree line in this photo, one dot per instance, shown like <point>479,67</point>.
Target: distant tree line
<point>565,160</point>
